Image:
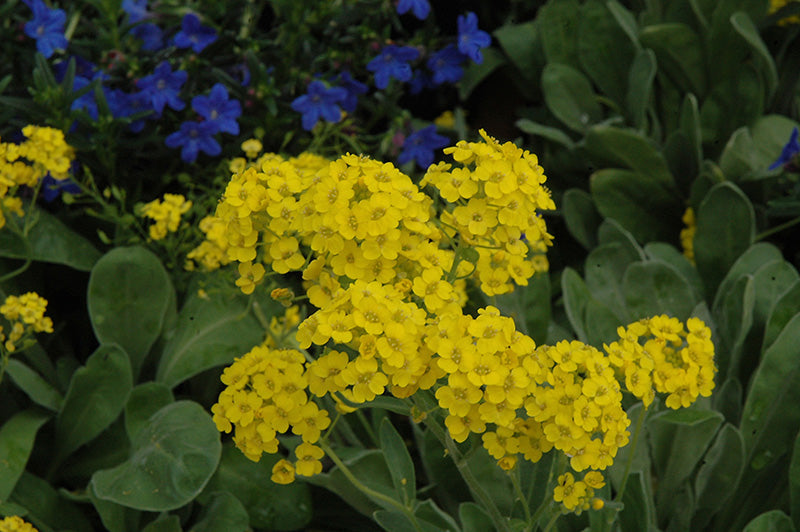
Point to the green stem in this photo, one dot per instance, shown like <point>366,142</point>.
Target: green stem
<point>514,475</point>
<point>777,229</point>
<point>369,492</point>
<point>637,431</point>
<point>552,522</point>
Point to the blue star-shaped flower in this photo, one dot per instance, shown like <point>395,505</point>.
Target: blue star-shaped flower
<point>151,35</point>
<point>47,27</point>
<point>470,38</point>
<point>53,188</point>
<point>136,10</point>
<point>218,110</point>
<point>420,8</point>
<point>162,87</point>
<point>194,137</point>
<point>789,151</point>
<point>320,102</point>
<point>193,34</point>
<point>446,65</point>
<point>420,145</point>
<point>392,63</point>
<point>354,90</point>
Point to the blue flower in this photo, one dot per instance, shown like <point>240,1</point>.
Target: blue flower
<point>419,146</point>
<point>85,101</point>
<point>791,149</point>
<point>151,35</point>
<point>53,188</point>
<point>162,87</point>
<point>354,90</point>
<point>193,34</point>
<point>136,10</point>
<point>194,137</point>
<point>47,27</point>
<point>470,38</point>
<point>420,8</point>
<point>446,65</point>
<point>419,81</point>
<point>392,63</point>
<point>218,110</point>
<point>320,101</point>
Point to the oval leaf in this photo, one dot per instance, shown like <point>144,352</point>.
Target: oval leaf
<point>144,401</point>
<point>399,461</point>
<point>97,394</point>
<point>172,459</point>
<point>569,96</point>
<point>16,442</point>
<point>129,294</point>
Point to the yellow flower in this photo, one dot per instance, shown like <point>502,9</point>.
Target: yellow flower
<point>308,459</point>
<point>283,472</point>
<point>249,276</point>
<point>15,524</point>
<point>252,147</point>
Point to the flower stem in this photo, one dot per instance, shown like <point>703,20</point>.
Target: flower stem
<point>637,431</point>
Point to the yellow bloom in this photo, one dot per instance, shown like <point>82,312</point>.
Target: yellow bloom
<point>283,472</point>
<point>15,524</point>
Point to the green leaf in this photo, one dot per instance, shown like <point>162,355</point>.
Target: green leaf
<point>604,270</point>
<point>756,256</point>
<point>786,307</point>
<point>39,390</point>
<point>475,73</point>
<point>733,103</point>
<point>626,21</point>
<point>570,97</point>
<point>399,462</point>
<point>145,400</point>
<point>529,306</point>
<point>654,288</point>
<point>718,475</point>
<point>369,467</point>
<point>770,282</point>
<point>47,508</point>
<point>794,483</point>
<point>772,521</point>
<point>97,394</point>
<point>611,231</point>
<point>50,241</point>
<point>738,156</point>
<point>550,133</point>
<point>601,323</point>
<point>576,297</point>
<point>129,295</point>
<point>521,44</point>
<point>604,51</point>
<point>689,124</point>
<point>640,204</point>
<point>725,229</point>
<point>210,332</point>
<point>474,518</point>
<point>744,26</point>
<point>558,26</point>
<point>771,419</point>
<point>640,86</point>
<point>734,318</point>
<point>626,148</point>
<point>17,436</point>
<point>268,505</point>
<point>223,512</point>
<point>640,510</point>
<point>164,523</point>
<point>430,514</point>
<point>581,217</point>
<point>667,254</point>
<point>172,459</point>
<point>679,51</point>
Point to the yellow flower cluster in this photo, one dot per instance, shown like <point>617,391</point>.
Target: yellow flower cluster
<point>16,524</point>
<point>265,395</point>
<point>44,151</point>
<point>578,495</point>
<point>25,314</point>
<point>775,5</point>
<point>496,196</point>
<point>659,354</point>
<point>166,214</point>
<point>687,234</point>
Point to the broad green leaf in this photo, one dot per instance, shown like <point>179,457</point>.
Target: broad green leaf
<point>529,306</point>
<point>640,204</point>
<point>172,459</point>
<point>718,475</point>
<point>770,282</point>
<point>738,157</point>
<point>475,73</point>
<point>17,436</point>
<point>430,513</point>
<point>756,256</point>
<point>734,318</point>
<point>269,505</point>
<point>570,97</point>
<point>728,398</point>
<point>601,323</point>
<point>640,86</point>
<point>680,156</point>
<point>653,288</point>
<point>39,390</point>
<point>48,508</point>
<point>96,396</point>
<point>369,467</point>
<point>771,521</point>
<point>733,102</point>
<point>399,462</point>
<point>771,419</point>
<point>223,512</point>
<point>604,51</point>
<point>109,449</point>
<point>550,133</point>
<point>145,400</point>
<point>743,25</point>
<point>210,332</point>
<point>164,523</point>
<point>626,21</point>
<point>521,44</point>
<point>474,518</point>
<point>611,231</point>
<point>724,42</point>
<point>129,295</point>
<point>604,270</point>
<point>690,126</point>
<point>558,26</point>
<point>679,51</point>
<point>769,134</point>
<point>794,483</point>
<point>725,229</point>
<point>626,148</point>
<point>640,509</point>
<point>576,297</point>
<point>785,308</point>
<point>581,217</point>
<point>667,254</point>
<point>50,241</point>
